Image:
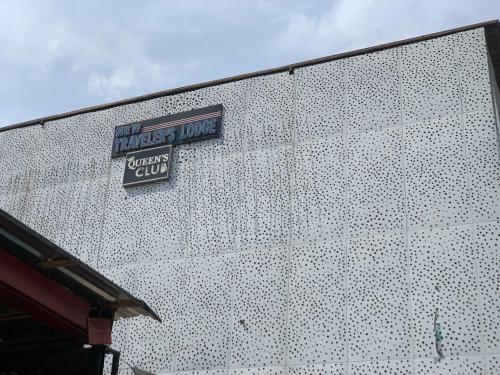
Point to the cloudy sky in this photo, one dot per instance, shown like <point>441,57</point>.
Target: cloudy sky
<point>57,56</point>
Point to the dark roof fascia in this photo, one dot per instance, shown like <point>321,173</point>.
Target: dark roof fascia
<point>493,24</point>
<point>24,242</point>
<point>492,35</point>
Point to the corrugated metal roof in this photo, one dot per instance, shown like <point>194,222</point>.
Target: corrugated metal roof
<point>59,265</point>
<point>492,31</point>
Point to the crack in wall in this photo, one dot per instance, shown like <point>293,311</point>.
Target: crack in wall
<point>438,336</point>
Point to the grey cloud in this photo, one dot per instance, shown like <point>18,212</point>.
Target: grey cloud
<point>57,55</point>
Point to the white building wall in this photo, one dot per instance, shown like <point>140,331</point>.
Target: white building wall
<point>345,206</point>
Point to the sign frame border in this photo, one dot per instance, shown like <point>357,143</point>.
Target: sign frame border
<point>155,179</point>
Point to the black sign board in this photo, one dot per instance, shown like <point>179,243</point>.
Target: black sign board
<point>148,165</point>
<point>196,125</point>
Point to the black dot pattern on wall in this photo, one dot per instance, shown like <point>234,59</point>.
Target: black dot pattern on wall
<point>436,173</point>
<point>205,314</point>
<point>269,108</point>
<point>327,369</point>
<point>258,326</point>
<point>381,368</point>
<point>378,298</point>
<point>473,70</point>
<point>430,81</point>
<point>265,206</point>
<point>444,278</point>
<point>450,365</point>
<point>483,165</point>
<point>318,190</point>
<point>491,365</point>
<point>258,371</point>
<point>317,303</point>
<point>216,204</point>
<point>320,105</point>
<point>158,285</point>
<point>488,254</point>
<point>373,99</point>
<point>375,183</point>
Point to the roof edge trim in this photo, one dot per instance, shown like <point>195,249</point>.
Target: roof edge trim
<point>86,277</point>
<point>280,69</point>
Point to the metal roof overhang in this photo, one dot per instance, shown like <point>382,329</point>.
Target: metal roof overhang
<point>49,260</point>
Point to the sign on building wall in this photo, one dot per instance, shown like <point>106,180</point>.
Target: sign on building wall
<point>196,125</point>
<point>147,165</point>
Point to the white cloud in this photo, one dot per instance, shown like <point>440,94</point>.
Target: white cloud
<point>352,24</point>
<point>111,59</point>
<point>110,86</point>
<point>57,55</point>
<point>144,73</point>
<point>36,41</point>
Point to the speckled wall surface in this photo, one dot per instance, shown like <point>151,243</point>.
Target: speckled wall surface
<point>345,206</point>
